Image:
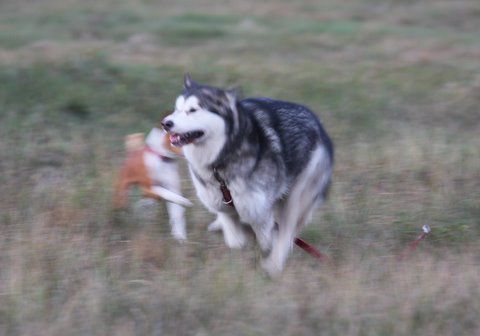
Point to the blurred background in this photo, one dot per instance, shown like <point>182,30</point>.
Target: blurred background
<point>396,84</point>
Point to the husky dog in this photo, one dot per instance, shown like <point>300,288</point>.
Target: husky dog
<point>274,156</point>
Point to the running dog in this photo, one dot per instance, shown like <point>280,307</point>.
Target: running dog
<point>151,165</point>
<point>272,159</point>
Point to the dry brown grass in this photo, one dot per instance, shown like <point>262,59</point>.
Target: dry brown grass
<point>77,283</point>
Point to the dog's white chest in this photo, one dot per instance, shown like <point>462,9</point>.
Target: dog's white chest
<point>250,204</point>
<point>208,190</point>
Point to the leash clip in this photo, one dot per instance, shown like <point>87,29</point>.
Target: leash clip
<point>227,202</point>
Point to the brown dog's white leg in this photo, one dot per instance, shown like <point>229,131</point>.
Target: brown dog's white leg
<point>177,221</point>
<point>170,196</point>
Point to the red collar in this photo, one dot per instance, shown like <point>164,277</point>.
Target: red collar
<point>162,157</point>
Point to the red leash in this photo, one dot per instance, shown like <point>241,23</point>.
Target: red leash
<point>311,250</point>
<point>413,245</point>
<point>228,200</point>
<point>406,252</point>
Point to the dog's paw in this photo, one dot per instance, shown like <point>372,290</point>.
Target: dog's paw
<point>216,225</point>
<point>234,239</point>
<point>186,203</point>
<point>179,236</point>
<point>272,268</point>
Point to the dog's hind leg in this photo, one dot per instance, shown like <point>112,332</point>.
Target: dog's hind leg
<point>302,199</point>
<point>121,189</point>
<point>120,195</point>
<point>177,221</point>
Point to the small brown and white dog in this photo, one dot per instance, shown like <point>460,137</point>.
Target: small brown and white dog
<point>151,164</point>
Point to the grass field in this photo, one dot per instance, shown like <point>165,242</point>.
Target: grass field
<point>397,85</point>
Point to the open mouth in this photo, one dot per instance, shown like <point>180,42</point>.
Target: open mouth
<point>182,139</point>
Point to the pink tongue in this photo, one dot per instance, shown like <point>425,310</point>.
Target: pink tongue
<point>174,137</point>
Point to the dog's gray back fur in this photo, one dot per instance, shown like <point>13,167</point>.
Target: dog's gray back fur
<point>269,141</point>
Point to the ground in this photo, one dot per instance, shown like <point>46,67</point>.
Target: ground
<point>396,84</point>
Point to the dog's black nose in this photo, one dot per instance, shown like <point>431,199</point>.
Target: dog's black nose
<point>167,124</point>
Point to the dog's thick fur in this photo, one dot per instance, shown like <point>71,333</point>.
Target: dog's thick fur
<point>274,156</point>
<point>151,165</point>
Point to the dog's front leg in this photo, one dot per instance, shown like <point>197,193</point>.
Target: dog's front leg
<point>256,210</point>
<point>233,233</point>
<point>264,230</point>
<point>216,225</point>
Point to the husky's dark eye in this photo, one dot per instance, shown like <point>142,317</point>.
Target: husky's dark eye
<point>193,109</point>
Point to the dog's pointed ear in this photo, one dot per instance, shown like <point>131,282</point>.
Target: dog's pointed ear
<point>188,82</point>
<point>234,94</point>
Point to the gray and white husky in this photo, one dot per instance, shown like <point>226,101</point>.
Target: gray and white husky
<point>274,156</point>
